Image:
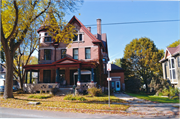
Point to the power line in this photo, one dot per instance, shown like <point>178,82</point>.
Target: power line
<point>134,22</point>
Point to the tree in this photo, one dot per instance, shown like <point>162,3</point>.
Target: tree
<point>117,62</point>
<point>141,59</point>
<point>174,44</point>
<point>16,19</point>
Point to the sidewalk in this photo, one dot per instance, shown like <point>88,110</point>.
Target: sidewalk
<point>149,108</point>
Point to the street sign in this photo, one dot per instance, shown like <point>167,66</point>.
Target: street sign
<point>108,79</point>
<point>109,67</point>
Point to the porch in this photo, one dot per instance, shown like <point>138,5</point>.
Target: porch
<point>65,72</point>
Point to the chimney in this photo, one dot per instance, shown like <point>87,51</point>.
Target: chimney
<point>99,28</point>
<point>89,29</point>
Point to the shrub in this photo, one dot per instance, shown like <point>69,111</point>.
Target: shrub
<point>158,84</point>
<point>72,97</point>
<point>171,92</point>
<point>94,91</point>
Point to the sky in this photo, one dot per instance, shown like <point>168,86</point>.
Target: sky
<point>118,11</point>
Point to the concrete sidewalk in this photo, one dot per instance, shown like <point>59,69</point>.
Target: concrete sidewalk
<point>149,108</point>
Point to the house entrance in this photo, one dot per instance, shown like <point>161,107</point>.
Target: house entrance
<point>118,87</point>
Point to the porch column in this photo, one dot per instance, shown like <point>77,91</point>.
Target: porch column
<point>26,76</point>
<point>30,76</point>
<point>79,75</point>
<point>57,75</point>
<point>92,75</point>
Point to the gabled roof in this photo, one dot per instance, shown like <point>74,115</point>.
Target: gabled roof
<point>174,50</point>
<point>171,51</point>
<point>66,60</point>
<point>94,39</point>
<point>116,68</point>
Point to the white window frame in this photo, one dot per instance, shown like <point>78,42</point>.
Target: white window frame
<point>78,38</point>
<point>171,69</point>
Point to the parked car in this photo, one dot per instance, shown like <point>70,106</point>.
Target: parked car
<point>2,86</point>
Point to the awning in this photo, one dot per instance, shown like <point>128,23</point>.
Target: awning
<point>83,72</point>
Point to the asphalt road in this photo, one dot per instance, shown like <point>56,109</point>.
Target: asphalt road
<point>22,113</point>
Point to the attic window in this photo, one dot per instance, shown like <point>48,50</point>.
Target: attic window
<point>78,37</point>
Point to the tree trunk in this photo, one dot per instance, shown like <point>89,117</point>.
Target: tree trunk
<point>8,92</point>
<point>22,82</point>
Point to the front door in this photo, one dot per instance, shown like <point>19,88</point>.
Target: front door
<point>47,76</point>
<point>118,86</point>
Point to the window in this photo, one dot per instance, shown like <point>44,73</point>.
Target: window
<point>47,39</point>
<point>165,70</point>
<point>75,38</point>
<point>172,69</point>
<point>63,53</point>
<point>87,53</point>
<point>47,54</point>
<point>78,37</point>
<point>75,53</point>
<point>45,34</point>
<point>178,60</point>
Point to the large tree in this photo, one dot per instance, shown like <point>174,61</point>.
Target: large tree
<point>17,16</point>
<point>141,59</point>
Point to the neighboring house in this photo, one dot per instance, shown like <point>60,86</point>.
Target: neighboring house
<point>171,65</point>
<point>84,62</point>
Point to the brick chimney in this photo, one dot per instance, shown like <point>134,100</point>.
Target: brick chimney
<point>99,29</point>
<point>89,29</point>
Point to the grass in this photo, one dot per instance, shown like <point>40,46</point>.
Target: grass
<point>57,103</point>
<point>154,98</point>
<point>38,96</point>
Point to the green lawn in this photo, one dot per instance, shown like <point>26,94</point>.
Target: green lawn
<point>154,98</point>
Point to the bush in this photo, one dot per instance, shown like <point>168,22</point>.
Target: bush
<point>158,85</point>
<point>94,91</point>
<point>171,92</point>
<point>72,97</point>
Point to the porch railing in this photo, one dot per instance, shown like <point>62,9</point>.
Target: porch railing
<point>44,87</point>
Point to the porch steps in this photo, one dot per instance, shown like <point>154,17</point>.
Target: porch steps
<point>64,91</point>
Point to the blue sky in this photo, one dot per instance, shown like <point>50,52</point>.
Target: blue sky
<point>162,33</point>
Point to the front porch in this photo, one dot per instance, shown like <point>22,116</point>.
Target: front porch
<point>65,72</point>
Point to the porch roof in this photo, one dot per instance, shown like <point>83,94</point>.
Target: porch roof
<point>65,62</point>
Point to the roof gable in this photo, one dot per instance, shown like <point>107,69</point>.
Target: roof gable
<point>66,60</point>
<point>75,20</point>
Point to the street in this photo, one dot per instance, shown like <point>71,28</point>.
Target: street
<point>22,113</point>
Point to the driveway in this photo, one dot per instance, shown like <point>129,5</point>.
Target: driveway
<point>148,108</point>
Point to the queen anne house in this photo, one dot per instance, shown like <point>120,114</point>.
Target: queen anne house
<point>171,65</point>
<point>83,63</point>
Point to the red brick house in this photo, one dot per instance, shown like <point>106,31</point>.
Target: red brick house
<point>84,62</point>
